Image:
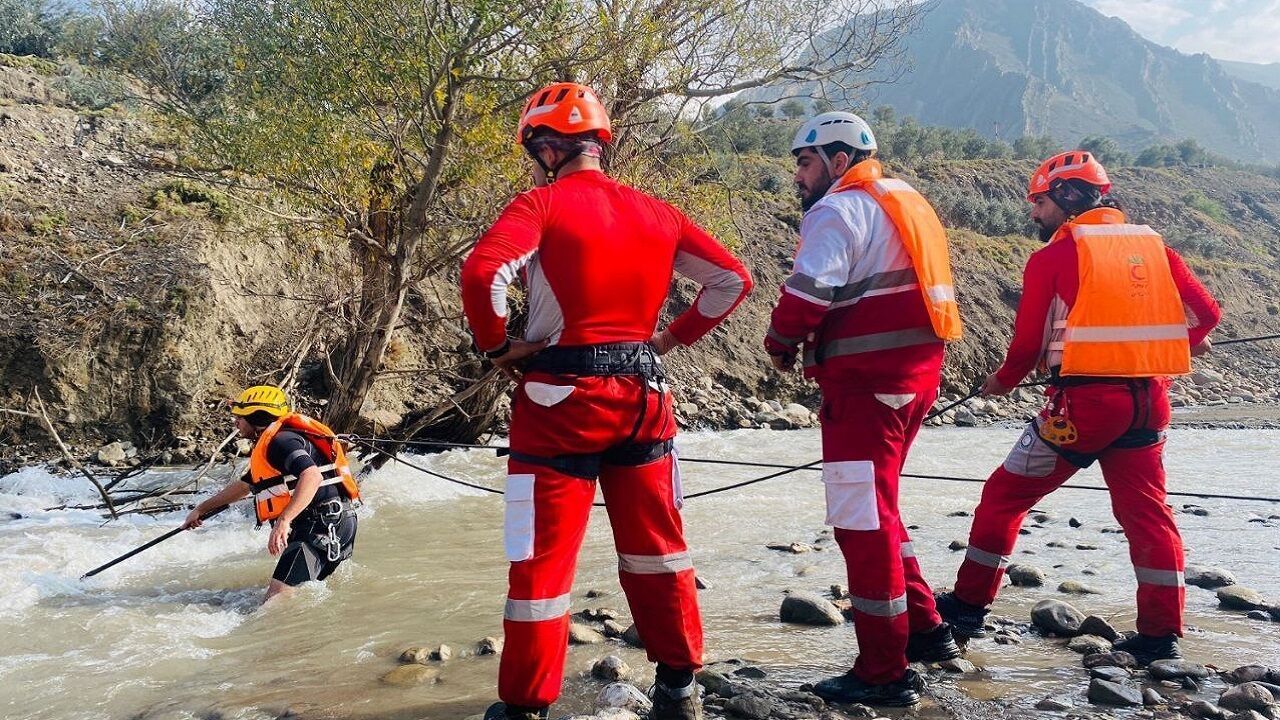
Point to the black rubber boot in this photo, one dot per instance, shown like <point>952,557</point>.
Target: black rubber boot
<point>502,711</point>
<point>966,621</point>
<point>932,646</point>
<point>1149,648</point>
<point>848,689</point>
<point>675,703</point>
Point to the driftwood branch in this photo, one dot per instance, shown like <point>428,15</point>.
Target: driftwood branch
<point>66,454</point>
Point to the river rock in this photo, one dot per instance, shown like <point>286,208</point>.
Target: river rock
<point>1057,618</point>
<point>1246,696</point>
<point>1251,673</point>
<point>1151,696</point>
<point>1204,709</point>
<point>1074,523</point>
<point>580,634</point>
<point>1110,673</point>
<point>795,548</point>
<point>1210,578</point>
<point>111,454</point>
<point>1205,377</point>
<point>600,614</point>
<point>489,646</point>
<point>797,415</point>
<point>631,636</point>
<point>701,583</point>
<point>1116,658</point>
<point>1238,597</point>
<point>1025,575</point>
<point>751,705</point>
<point>1176,670</point>
<point>1248,715</point>
<point>1074,587</point>
<point>409,675</point>
<point>1089,644</point>
<point>1102,692</point>
<point>965,418</point>
<point>687,409</point>
<point>613,629</point>
<point>957,545</point>
<point>441,653</point>
<point>958,665</point>
<point>611,668</point>
<point>1094,625</point>
<point>625,696</point>
<point>415,654</point>
<point>1259,615</point>
<point>612,714</point>
<point>806,608</point>
<point>1053,704</point>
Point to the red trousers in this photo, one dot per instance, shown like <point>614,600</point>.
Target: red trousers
<point>865,439</point>
<point>1135,477</point>
<point>546,518</point>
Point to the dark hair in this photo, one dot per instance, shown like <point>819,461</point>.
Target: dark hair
<point>260,418</point>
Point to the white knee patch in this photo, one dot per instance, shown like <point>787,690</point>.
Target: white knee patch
<point>851,495</point>
<point>517,527</point>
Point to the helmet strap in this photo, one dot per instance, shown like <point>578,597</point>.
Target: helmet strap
<point>826,161</point>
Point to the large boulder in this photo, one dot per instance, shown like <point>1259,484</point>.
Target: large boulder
<point>1177,670</point>
<point>1246,696</point>
<point>806,608</point>
<point>1055,617</point>
<point>1238,597</point>
<point>1210,578</point>
<point>1103,692</point>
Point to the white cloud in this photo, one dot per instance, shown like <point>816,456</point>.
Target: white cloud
<point>1226,29</point>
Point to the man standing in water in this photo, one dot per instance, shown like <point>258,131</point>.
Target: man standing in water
<point>596,258</point>
<point>301,484</point>
<point>872,302</point>
<point>1110,313</point>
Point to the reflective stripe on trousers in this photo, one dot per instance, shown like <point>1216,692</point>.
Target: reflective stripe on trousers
<point>654,564</point>
<point>537,610</point>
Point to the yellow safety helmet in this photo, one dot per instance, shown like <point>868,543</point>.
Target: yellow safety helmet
<point>267,398</point>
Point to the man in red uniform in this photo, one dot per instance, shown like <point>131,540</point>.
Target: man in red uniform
<point>1110,313</point>
<point>871,299</point>
<point>596,259</point>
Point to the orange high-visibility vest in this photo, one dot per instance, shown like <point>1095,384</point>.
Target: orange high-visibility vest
<point>1128,319</point>
<point>922,234</point>
<point>272,489</point>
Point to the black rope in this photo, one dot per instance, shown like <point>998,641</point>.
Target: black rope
<point>1258,338</point>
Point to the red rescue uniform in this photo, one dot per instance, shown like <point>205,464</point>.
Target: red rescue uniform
<point>597,259</point>
<point>1118,410</point>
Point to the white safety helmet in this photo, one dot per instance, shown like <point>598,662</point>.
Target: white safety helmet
<point>830,127</point>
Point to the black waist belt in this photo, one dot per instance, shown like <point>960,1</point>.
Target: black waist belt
<point>324,512</point>
<point>1066,381</point>
<point>627,358</point>
<point>587,465</point>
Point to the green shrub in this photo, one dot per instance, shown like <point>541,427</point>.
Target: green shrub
<point>180,193</point>
<point>1197,200</point>
<point>92,89</point>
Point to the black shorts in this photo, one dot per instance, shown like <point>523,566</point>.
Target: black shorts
<point>306,556</point>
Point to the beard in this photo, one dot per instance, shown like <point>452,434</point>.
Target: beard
<point>808,200</point>
<point>1046,232</point>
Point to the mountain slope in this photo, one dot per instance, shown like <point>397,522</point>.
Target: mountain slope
<point>1262,74</point>
<point>1029,67</point>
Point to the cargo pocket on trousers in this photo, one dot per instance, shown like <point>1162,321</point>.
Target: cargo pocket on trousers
<point>851,495</point>
<point>897,401</point>
<point>517,527</point>
<point>1031,456</point>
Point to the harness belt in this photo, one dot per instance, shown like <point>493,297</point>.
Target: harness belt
<point>587,465</point>
<point>1132,439</point>
<point>623,358</point>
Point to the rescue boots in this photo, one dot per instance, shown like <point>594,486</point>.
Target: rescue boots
<point>932,646</point>
<point>848,689</point>
<point>1149,648</point>
<point>502,711</point>
<point>681,703</point>
<point>966,621</point>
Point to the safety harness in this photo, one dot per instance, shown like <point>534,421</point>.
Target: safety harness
<point>1135,437</point>
<point>634,359</point>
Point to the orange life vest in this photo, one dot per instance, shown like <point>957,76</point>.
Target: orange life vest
<point>1128,319</point>
<point>272,489</point>
<point>922,234</point>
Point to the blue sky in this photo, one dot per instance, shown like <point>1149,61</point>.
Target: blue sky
<point>1247,30</point>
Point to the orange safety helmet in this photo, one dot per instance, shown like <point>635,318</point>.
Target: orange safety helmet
<point>567,108</point>
<point>1070,165</point>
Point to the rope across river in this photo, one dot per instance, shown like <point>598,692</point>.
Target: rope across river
<point>780,470</point>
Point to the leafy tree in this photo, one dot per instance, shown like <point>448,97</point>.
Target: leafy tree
<point>31,27</point>
<point>1035,147</point>
<point>1106,150</point>
<point>793,109</point>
